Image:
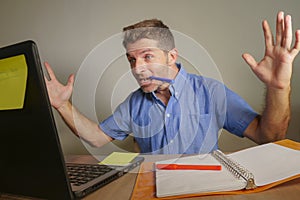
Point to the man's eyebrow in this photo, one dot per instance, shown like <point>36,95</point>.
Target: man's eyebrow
<point>146,51</point>
<point>142,52</point>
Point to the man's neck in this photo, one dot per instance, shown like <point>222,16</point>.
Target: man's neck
<point>164,95</point>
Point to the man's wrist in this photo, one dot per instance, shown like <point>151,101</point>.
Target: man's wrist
<point>64,107</point>
<point>280,91</point>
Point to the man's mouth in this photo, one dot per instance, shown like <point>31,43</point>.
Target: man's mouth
<point>148,80</point>
<point>145,81</point>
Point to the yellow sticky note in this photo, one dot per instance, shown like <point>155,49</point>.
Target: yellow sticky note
<point>13,78</point>
<point>118,158</point>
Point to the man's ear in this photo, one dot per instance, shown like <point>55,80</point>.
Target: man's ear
<point>172,56</point>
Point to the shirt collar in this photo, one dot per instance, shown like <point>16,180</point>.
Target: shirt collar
<point>179,81</point>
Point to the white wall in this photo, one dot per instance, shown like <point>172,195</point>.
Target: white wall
<point>66,31</point>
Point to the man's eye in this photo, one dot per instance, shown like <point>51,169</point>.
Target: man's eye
<point>148,57</point>
<point>131,61</point>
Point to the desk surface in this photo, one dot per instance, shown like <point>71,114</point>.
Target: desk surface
<point>122,188</point>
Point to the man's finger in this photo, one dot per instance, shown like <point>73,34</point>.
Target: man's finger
<point>296,48</point>
<point>269,42</point>
<point>279,28</point>
<point>71,80</point>
<point>250,61</point>
<point>49,70</point>
<point>287,37</point>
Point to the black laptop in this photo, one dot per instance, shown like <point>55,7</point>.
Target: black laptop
<point>31,159</point>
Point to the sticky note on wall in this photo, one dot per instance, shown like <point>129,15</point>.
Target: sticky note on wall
<point>13,79</point>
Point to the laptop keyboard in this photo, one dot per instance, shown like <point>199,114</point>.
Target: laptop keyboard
<point>82,173</point>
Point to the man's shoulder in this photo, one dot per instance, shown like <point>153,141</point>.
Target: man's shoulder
<point>138,94</point>
<point>203,80</point>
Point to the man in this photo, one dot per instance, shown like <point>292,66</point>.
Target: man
<point>175,112</point>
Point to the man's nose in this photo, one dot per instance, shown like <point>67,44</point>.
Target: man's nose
<point>139,66</point>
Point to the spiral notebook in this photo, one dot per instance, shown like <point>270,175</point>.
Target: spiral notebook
<point>257,169</point>
<point>246,169</point>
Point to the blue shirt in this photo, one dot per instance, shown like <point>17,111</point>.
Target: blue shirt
<point>197,110</point>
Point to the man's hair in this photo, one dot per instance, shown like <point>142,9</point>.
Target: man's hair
<point>151,29</point>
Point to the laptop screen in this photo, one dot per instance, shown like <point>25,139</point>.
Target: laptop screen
<point>31,158</point>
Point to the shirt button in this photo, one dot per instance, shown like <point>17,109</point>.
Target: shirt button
<point>171,141</point>
<point>168,115</point>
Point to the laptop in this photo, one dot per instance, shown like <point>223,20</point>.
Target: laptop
<point>31,159</point>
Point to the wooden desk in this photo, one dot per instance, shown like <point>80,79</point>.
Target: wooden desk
<point>122,188</point>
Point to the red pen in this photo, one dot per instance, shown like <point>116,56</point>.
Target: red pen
<point>188,167</point>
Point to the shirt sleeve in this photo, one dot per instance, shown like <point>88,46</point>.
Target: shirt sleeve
<point>239,114</point>
<point>117,125</point>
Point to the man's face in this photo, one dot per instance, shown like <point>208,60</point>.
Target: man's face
<point>147,60</point>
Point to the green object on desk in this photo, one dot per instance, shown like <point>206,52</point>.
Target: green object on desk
<point>119,158</point>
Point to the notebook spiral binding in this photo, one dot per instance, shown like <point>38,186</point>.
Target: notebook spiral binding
<point>235,168</point>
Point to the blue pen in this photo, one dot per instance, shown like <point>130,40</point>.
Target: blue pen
<point>171,81</point>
